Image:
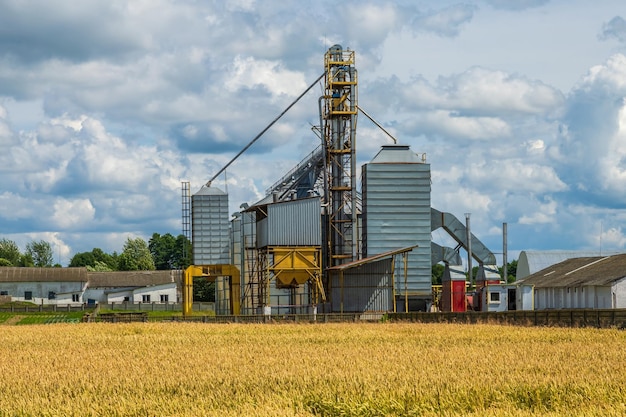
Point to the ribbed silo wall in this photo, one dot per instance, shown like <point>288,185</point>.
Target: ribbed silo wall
<point>291,223</point>
<point>209,227</point>
<point>367,288</point>
<point>396,214</point>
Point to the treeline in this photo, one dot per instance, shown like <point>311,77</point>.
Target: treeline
<point>161,252</point>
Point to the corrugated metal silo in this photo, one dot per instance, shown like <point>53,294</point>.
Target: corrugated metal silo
<point>396,214</point>
<point>209,227</point>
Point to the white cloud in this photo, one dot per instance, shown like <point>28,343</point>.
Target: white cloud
<point>447,21</point>
<point>379,19</point>
<point>249,72</point>
<point>105,108</point>
<point>72,214</point>
<point>448,124</point>
<point>615,28</point>
<point>496,92</point>
<point>543,213</point>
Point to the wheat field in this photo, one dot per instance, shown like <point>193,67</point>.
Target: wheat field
<point>351,369</point>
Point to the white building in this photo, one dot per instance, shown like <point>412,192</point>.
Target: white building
<point>589,282</point>
<point>76,286</point>
<point>531,261</point>
<point>132,287</point>
<point>44,285</point>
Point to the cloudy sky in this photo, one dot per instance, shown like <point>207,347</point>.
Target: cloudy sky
<point>105,106</point>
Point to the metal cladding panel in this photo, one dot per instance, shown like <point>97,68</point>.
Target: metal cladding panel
<point>396,213</point>
<point>210,228</point>
<point>291,223</point>
<point>367,288</point>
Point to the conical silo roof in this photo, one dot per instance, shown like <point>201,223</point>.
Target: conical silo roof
<point>396,154</point>
<point>210,191</point>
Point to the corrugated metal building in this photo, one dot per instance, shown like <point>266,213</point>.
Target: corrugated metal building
<point>531,261</point>
<point>291,223</point>
<point>589,282</point>
<point>367,288</point>
<point>396,213</point>
<point>268,238</point>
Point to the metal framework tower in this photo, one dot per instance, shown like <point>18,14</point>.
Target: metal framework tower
<point>339,116</point>
<point>186,205</point>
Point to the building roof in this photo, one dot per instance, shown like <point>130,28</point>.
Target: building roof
<point>373,258</point>
<point>19,274</point>
<point>579,272</point>
<point>530,261</point>
<point>119,279</point>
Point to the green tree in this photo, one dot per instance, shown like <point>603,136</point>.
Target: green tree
<point>97,258</point>
<point>170,252</point>
<point>183,252</point>
<point>203,290</point>
<point>437,273</point>
<point>5,262</point>
<point>26,260</point>
<point>99,267</point>
<point>10,251</point>
<point>105,258</point>
<point>136,256</point>
<point>82,259</point>
<point>41,253</point>
<point>511,271</point>
<point>163,250</point>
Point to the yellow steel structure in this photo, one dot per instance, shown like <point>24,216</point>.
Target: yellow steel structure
<point>292,266</point>
<point>339,117</point>
<point>211,272</point>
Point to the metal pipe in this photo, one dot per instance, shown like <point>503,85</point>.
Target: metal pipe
<point>208,184</point>
<point>505,266</point>
<point>469,249</point>
<point>377,124</point>
<point>405,259</point>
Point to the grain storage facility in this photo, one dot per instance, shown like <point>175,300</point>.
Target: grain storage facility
<point>315,242</point>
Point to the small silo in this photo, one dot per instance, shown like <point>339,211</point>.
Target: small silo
<point>209,227</point>
<point>396,214</point>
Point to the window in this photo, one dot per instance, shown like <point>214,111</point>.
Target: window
<point>4,293</point>
<point>126,299</point>
<point>52,295</point>
<point>28,295</point>
<point>75,298</point>
<point>165,298</point>
<point>145,298</point>
<point>494,297</point>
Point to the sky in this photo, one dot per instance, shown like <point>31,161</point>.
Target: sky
<point>105,107</point>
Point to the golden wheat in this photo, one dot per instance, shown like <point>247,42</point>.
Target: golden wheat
<point>391,369</point>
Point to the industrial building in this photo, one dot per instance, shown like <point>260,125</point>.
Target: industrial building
<point>585,282</point>
<point>320,241</point>
<point>531,261</point>
<point>77,286</point>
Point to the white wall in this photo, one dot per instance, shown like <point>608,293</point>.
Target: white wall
<point>525,297</point>
<point>574,297</point>
<point>40,291</point>
<point>155,293</point>
<point>619,293</point>
<point>487,303</point>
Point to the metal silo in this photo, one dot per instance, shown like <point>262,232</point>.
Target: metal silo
<point>396,214</point>
<point>209,227</point>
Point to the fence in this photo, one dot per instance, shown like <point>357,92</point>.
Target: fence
<point>605,318</point>
<point>47,308</point>
<point>127,306</point>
